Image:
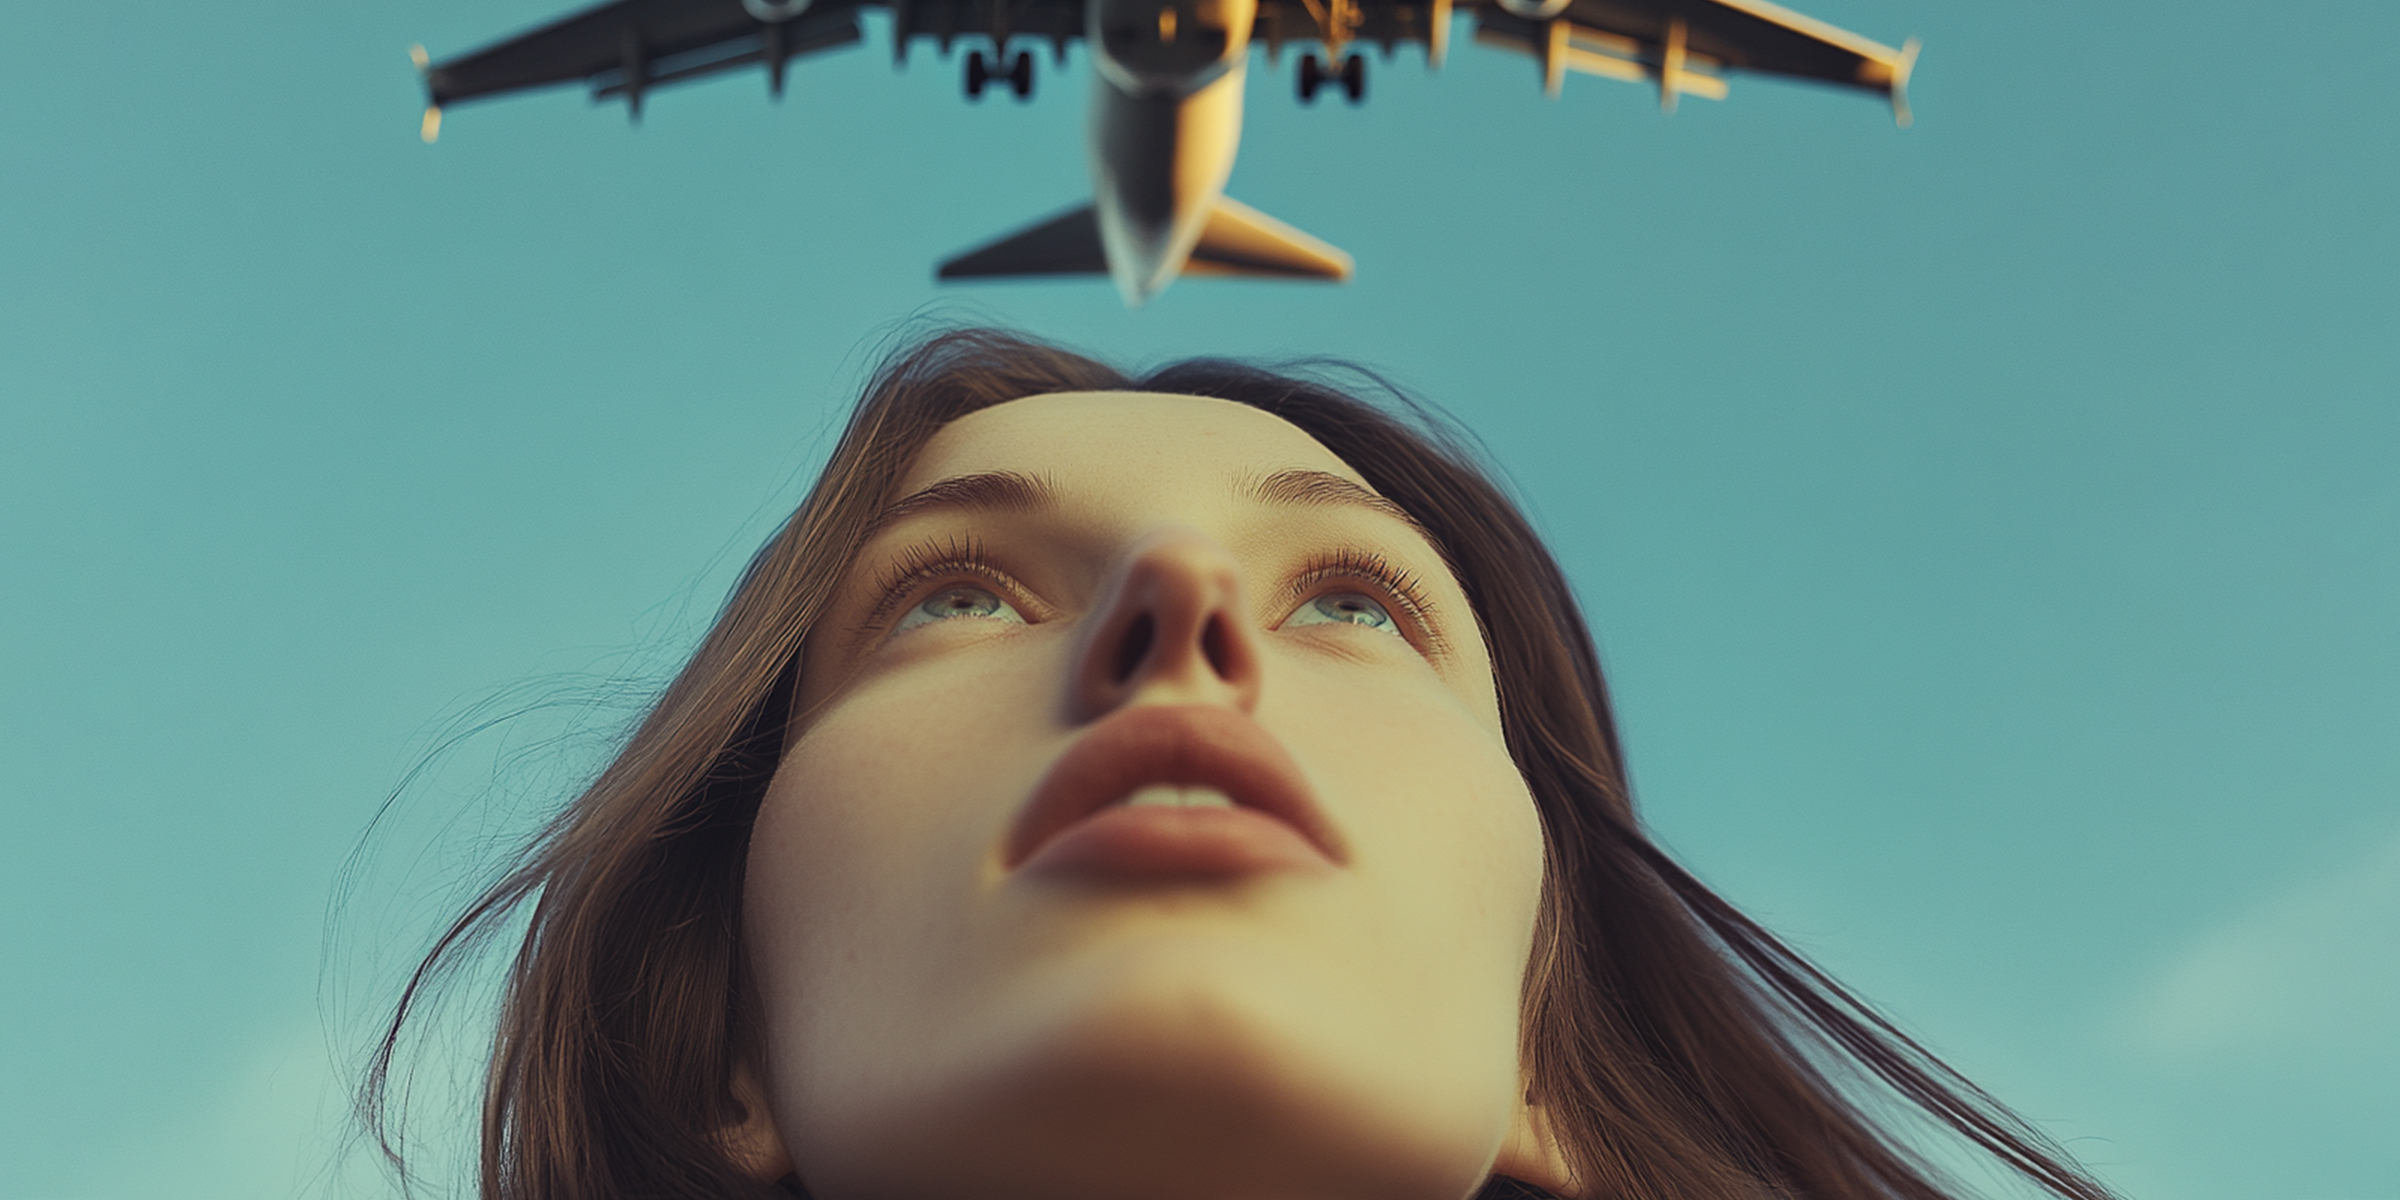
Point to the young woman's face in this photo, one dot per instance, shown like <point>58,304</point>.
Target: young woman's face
<point>1148,832</point>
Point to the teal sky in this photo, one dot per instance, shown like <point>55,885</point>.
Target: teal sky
<point>1992,527</point>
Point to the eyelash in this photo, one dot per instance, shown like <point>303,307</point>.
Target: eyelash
<point>951,557</point>
<point>926,562</point>
<point>1402,586</point>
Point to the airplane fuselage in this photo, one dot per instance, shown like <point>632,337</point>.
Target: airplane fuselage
<point>1165,123</point>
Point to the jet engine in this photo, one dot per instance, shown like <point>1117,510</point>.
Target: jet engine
<point>1168,47</point>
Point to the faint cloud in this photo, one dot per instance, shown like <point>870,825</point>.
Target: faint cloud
<point>277,1127</point>
<point>271,1128</point>
<point>2314,973</point>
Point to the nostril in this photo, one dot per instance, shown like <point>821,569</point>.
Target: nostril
<point>1135,646</point>
<point>1212,644</point>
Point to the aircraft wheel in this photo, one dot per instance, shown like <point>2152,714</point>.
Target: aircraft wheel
<point>1312,77</point>
<point>1354,78</point>
<point>1020,75</point>
<point>979,72</point>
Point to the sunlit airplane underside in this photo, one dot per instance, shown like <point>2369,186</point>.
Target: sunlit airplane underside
<point>1166,113</point>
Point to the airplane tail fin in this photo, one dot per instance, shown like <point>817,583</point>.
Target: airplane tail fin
<point>1238,240</point>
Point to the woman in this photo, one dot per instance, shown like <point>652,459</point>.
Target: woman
<point>1199,785</point>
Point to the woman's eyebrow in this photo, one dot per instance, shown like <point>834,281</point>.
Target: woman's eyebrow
<point>983,491</point>
<point>1323,489</point>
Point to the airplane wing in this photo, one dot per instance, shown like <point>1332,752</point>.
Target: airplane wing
<point>626,47</point>
<point>1682,47</point>
<point>623,48</point>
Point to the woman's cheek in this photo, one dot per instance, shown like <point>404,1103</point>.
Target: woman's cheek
<point>880,826</point>
<point>1448,845</point>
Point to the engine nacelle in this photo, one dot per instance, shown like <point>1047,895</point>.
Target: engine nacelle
<point>774,12</point>
<point>1169,47</point>
<point>1533,10</point>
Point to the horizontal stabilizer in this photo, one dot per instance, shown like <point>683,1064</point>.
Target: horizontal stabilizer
<point>1240,240</point>
<point>1237,240</point>
<point>1067,244</point>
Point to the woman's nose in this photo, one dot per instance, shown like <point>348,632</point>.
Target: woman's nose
<point>1170,625</point>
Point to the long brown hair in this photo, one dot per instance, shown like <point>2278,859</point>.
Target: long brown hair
<point>1681,1051</point>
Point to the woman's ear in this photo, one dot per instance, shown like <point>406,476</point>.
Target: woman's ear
<point>755,1143</point>
<point>1531,1153</point>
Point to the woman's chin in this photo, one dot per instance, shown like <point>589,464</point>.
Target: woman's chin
<point>1188,1082</point>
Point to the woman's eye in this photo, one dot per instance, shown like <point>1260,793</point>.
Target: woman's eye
<point>1345,608</point>
<point>957,601</point>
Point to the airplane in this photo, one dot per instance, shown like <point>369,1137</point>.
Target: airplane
<point>1166,111</point>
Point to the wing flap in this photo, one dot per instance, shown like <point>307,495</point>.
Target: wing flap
<point>1750,35</point>
<point>632,44</point>
<point>801,37</point>
<point>1591,52</point>
<point>586,43</point>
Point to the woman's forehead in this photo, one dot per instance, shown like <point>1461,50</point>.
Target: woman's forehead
<point>1076,441</point>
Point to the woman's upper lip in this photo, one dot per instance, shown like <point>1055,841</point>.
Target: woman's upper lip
<point>1194,745</point>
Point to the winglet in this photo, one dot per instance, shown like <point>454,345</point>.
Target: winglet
<point>1670,66</point>
<point>1900,72</point>
<point>430,129</point>
<point>1554,57</point>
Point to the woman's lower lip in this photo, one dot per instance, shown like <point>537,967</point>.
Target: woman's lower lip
<point>1160,841</point>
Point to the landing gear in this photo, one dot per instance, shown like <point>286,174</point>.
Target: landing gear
<point>1314,74</point>
<point>1020,75</point>
<point>982,71</point>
